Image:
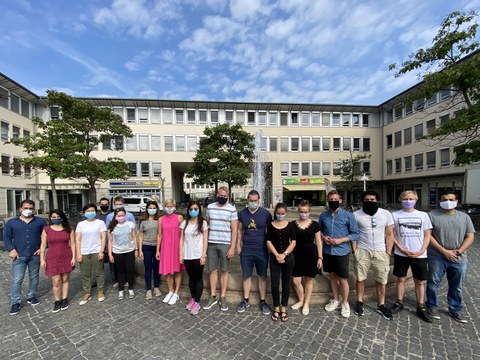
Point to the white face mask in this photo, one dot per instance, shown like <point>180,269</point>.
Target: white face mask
<point>169,210</point>
<point>27,213</point>
<point>252,205</point>
<point>448,204</point>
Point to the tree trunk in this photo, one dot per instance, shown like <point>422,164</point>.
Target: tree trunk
<point>92,191</point>
<point>54,194</point>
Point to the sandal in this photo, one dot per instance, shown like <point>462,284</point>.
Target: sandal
<point>284,316</point>
<point>275,315</point>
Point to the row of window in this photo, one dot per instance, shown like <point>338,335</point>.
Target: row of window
<point>15,103</point>
<point>418,162</point>
<point>14,167</point>
<point>7,134</point>
<point>316,168</point>
<point>141,169</point>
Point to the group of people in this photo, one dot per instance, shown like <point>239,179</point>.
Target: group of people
<point>432,245</point>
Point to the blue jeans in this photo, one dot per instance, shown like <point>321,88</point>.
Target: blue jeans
<point>438,266</point>
<point>19,266</point>
<point>151,265</point>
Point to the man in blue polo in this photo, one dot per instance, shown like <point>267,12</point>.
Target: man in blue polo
<point>338,228</point>
<point>22,238</point>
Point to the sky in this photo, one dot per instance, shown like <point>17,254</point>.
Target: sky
<point>288,51</point>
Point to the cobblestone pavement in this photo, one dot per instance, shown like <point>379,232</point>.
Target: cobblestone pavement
<point>137,329</point>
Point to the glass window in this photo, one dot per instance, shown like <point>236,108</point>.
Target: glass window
<point>284,119</point>
<point>325,168</point>
<point>316,168</point>
<point>25,108</point>
<point>408,108</point>
<point>143,116</point>
<point>306,143</point>
<point>118,141</point>
<point>263,143</point>
<point>213,117</point>
<point>398,166</point>
<point>366,167</point>
<point>305,119</point>
<point>356,120</point>
<point>336,168</point>
<point>418,162</point>
<point>389,167</point>
<point>365,120</point>
<point>131,115</point>
<point>335,119</point>
<point>346,120</point>
<point>407,136</point>
<point>54,112</point>
<point>15,132</point>
<point>191,117</point>
<point>143,143</point>
<point>444,94</point>
<point>398,111</point>
<point>315,119</point>
<point>284,169</point>
<point>419,104</point>
<point>294,143</point>
<point>167,116</point>
<point>347,143</point>
<point>444,119</point>
<point>356,144</point>
<point>241,118</point>
<point>145,169</point>
<point>180,143</point>
<point>132,168</point>
<point>14,103</point>
<point>398,139</point>
<point>251,118</point>
<point>294,119</point>
<point>191,143</point>
<point>284,144</point>
<point>431,160</point>
<point>168,143</point>
<point>5,165</point>
<point>203,117</point>
<point>316,143</point>
<point>17,167</point>
<point>325,143</point>
<point>326,119</point>
<point>336,144</point>
<point>156,143</point>
<point>430,126</point>
<point>418,131</point>
<point>155,116</point>
<point>262,118</point>
<point>229,117</point>
<point>179,117</point>
<point>445,157</point>
<point>273,143</point>
<point>26,133</point>
<point>407,162</point>
<point>366,144</point>
<point>27,170</point>
<point>305,169</point>
<point>389,141</point>
<point>3,98</point>
<point>389,116</point>
<point>432,100</point>
<point>273,118</point>
<point>294,168</point>
<point>157,169</point>
<point>130,143</point>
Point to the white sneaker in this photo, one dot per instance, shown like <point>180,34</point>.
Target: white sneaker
<point>167,297</point>
<point>120,295</point>
<point>173,300</point>
<point>131,294</point>
<point>157,292</point>
<point>297,305</point>
<point>345,310</point>
<point>332,305</point>
<point>149,295</point>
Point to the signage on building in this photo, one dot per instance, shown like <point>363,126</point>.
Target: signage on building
<point>303,181</point>
<point>134,183</point>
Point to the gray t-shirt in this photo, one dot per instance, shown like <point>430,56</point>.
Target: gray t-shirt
<point>150,230</point>
<point>449,230</point>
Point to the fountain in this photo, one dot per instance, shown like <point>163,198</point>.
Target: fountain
<point>258,166</point>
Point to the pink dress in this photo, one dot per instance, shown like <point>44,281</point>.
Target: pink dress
<point>59,253</point>
<point>170,247</point>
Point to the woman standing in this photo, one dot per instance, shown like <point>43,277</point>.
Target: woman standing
<point>122,250</point>
<point>90,238</point>
<point>168,244</point>
<point>308,256</point>
<point>193,252</point>
<point>59,260</point>
<point>281,239</point>
<point>147,245</point>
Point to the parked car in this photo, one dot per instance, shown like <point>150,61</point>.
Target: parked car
<point>138,204</point>
<point>469,209</point>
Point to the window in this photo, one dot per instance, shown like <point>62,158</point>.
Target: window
<point>408,108</point>
<point>445,94</point>
<point>131,118</point>
<point>167,116</point>
<point>14,103</point>
<point>389,167</point>
<point>444,119</point>
<point>262,118</point>
<point>316,168</point>
<point>263,144</point>
<point>180,143</point>
<point>407,163</point>
<point>27,170</point>
<point>156,143</point>
<point>179,117</point>
<point>143,116</point>
<point>346,120</point>
<point>325,144</point>
<point>273,143</point>
<point>168,143</point>
<point>15,132</point>
<point>145,169</point>
<point>356,120</point>
<point>132,168</point>
<point>214,117</point>
<point>356,144</point>
<point>284,119</point>
<point>17,167</point>
<point>191,143</point>
<point>418,162</point>
<point>294,119</point>
<point>130,143</point>
<point>305,169</point>
<point>407,136</point>
<point>5,165</point>
<point>25,108</point>
<point>337,167</point>
<point>26,133</point>
<point>316,143</point>
<point>155,116</point>
<point>251,118</point>
<point>398,166</point>
<point>3,98</point>
<point>273,118</point>
<point>191,117</point>
<point>284,144</point>
<point>365,120</point>
<point>326,119</point>
<point>431,160</point>
<point>444,157</point>
<point>325,168</point>
<point>389,141</point>
<point>54,112</point>
<point>366,144</point>
<point>108,144</point>
<point>430,126</point>
<point>157,169</point>
<point>419,104</point>
<point>336,144</point>
<point>347,142</point>
<point>305,119</point>
<point>294,168</point>
<point>241,117</point>
<point>398,139</point>
<point>432,100</point>
<point>418,131</point>
<point>315,119</point>
<point>229,117</point>
<point>306,144</point>
<point>283,169</point>
<point>294,144</point>
<point>335,119</point>
<point>118,141</point>
<point>143,143</point>
<point>398,111</point>
<point>389,116</point>
<point>366,167</point>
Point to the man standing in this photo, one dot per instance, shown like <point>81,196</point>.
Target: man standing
<point>22,238</point>
<point>104,205</point>
<point>252,248</point>
<point>452,235</point>
<point>373,250</point>
<point>339,228</point>
<point>222,236</point>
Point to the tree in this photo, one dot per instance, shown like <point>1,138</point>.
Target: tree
<point>224,156</point>
<point>453,63</point>
<point>350,172</point>
<point>66,143</point>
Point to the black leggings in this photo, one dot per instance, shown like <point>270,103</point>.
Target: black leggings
<point>125,265</point>
<point>285,271</point>
<point>195,278</point>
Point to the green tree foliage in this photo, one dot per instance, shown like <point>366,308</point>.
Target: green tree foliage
<point>350,173</point>
<point>63,147</point>
<point>224,155</point>
<point>453,63</point>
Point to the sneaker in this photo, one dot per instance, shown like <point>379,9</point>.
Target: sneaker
<point>458,317</point>
<point>244,305</point>
<point>167,297</point>
<point>305,310</point>
<point>64,305</point>
<point>57,306</point>
<point>345,310</point>
<point>157,292</point>
<point>332,305</point>
<point>382,309</point>
<point>126,284</point>
<point>190,304</point>
<point>422,314</point>
<point>15,309</point>
<point>173,299</point>
<point>131,294</point>
<point>398,306</point>
<point>359,309</point>
<point>115,285</point>
<point>212,302</point>
<point>433,313</point>
<point>264,308</point>
<point>149,295</point>
<point>85,298</point>
<point>101,296</point>
<point>223,304</point>
<point>120,295</point>
<point>195,308</point>
<point>297,305</point>
<point>33,301</point>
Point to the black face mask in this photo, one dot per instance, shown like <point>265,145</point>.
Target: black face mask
<point>222,200</point>
<point>104,207</point>
<point>333,205</point>
<point>370,207</point>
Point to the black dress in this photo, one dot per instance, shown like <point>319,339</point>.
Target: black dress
<point>305,252</point>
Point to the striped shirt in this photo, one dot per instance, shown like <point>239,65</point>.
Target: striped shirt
<point>220,218</point>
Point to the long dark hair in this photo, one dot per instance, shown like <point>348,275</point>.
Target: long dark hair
<point>200,218</point>
<point>65,223</point>
<point>114,221</point>
<point>279,205</point>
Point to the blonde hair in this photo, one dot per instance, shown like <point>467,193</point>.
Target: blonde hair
<point>223,188</point>
<point>169,201</point>
<point>304,203</point>
<point>405,193</point>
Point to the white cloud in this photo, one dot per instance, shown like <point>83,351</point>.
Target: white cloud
<point>138,60</point>
<point>248,9</point>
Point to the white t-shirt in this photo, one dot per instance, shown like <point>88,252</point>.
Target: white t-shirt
<point>91,235</point>
<point>192,240</point>
<point>372,229</point>
<point>409,230</point>
<point>122,238</point>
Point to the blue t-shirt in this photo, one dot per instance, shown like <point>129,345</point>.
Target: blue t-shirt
<point>254,227</point>
<point>341,224</point>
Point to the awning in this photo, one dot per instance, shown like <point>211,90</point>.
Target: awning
<point>315,187</point>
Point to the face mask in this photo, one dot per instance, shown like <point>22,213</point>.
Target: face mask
<point>193,213</point>
<point>27,213</point>
<point>370,207</point>
<point>120,219</point>
<point>448,204</point>
<point>170,211</point>
<point>90,214</point>
<point>222,200</point>
<point>252,205</point>
<point>408,204</point>
<point>280,217</point>
<point>334,205</point>
<point>152,211</point>
<point>304,216</point>
<point>56,221</point>
<point>104,207</point>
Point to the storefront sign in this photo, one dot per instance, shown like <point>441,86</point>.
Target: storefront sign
<point>303,181</point>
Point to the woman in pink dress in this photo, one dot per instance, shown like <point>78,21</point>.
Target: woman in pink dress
<point>168,248</point>
<point>59,259</point>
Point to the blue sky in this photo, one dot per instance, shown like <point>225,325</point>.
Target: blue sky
<point>299,51</point>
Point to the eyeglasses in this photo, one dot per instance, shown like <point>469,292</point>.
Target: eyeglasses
<point>374,222</point>
<point>119,209</point>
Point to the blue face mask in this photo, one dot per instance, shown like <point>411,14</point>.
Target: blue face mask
<point>152,211</point>
<point>56,221</point>
<point>90,215</point>
<point>193,213</point>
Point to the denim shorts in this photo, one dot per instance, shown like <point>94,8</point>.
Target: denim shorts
<point>254,256</point>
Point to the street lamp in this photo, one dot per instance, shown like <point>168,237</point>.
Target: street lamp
<point>364,178</point>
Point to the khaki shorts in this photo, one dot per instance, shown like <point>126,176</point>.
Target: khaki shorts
<point>379,261</point>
